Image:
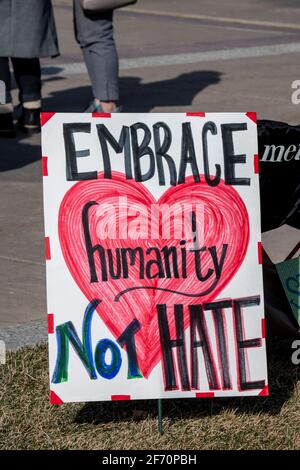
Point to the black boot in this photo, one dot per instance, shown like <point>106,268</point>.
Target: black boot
<point>7,128</point>
<point>29,120</point>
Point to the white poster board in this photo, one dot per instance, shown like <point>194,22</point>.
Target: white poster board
<point>153,249</point>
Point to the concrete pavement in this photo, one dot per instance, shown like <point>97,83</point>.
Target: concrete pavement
<point>217,56</point>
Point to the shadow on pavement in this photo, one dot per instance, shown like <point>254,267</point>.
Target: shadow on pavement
<point>180,91</point>
<point>14,153</point>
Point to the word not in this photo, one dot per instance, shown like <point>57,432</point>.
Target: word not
<point>154,148</point>
<point>66,334</point>
<point>217,370</point>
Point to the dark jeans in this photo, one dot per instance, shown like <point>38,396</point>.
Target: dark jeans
<point>28,78</point>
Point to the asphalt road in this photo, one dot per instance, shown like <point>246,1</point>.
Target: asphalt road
<point>208,55</point>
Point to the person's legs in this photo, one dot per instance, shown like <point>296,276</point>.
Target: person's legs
<point>28,77</point>
<point>94,34</point>
<point>6,109</point>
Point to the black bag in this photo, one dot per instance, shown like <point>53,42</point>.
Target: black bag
<point>279,165</point>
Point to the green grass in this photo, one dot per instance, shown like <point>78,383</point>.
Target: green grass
<point>28,421</point>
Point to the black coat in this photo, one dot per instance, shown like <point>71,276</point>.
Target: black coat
<point>27,29</point>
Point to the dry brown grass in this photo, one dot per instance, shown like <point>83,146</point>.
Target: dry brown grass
<point>28,421</point>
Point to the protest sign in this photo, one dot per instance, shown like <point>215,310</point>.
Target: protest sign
<point>153,249</point>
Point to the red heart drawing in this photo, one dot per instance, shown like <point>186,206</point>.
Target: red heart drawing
<point>224,221</point>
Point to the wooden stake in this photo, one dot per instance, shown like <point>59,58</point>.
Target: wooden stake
<point>160,421</point>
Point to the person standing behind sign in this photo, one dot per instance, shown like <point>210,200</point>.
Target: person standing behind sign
<point>94,34</point>
<point>27,32</point>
